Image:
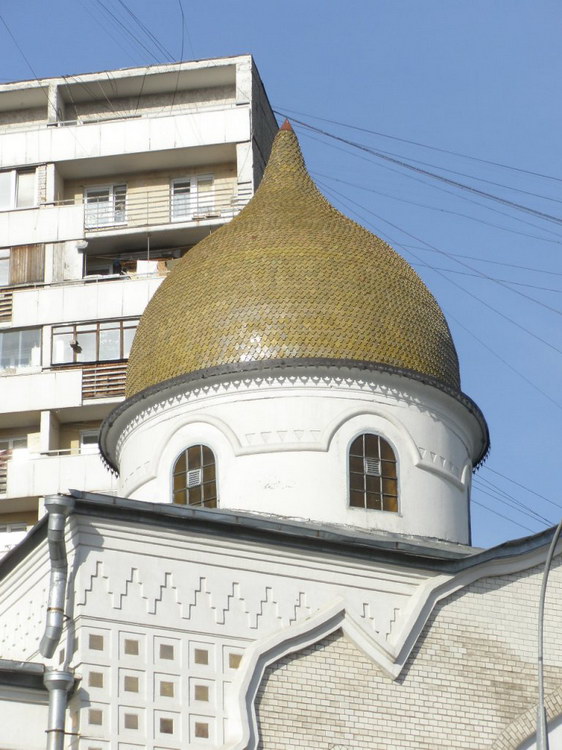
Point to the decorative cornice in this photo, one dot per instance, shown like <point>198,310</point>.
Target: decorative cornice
<point>285,373</point>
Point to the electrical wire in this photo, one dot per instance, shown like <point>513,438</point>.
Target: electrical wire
<point>482,343</point>
<point>488,260</point>
<point>435,208</point>
<point>446,180</point>
<point>20,50</point>
<point>494,353</point>
<point>126,43</point>
<point>164,51</point>
<point>528,489</point>
<point>502,515</point>
<point>423,145</point>
<point>126,30</point>
<point>441,189</point>
<point>181,53</point>
<point>504,497</point>
<point>451,281</point>
<point>492,278</point>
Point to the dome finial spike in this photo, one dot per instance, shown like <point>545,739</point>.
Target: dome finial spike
<point>286,125</point>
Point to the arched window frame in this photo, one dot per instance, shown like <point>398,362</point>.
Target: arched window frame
<point>384,494</point>
<point>186,490</point>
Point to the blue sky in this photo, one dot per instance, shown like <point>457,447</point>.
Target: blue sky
<point>475,77</point>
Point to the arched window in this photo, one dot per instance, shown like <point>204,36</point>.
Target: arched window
<point>195,477</point>
<point>373,478</point>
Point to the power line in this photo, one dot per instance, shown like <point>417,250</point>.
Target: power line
<point>181,53</point>
<point>431,184</point>
<point>126,29</point>
<point>504,497</point>
<point>466,291</point>
<point>132,52</point>
<point>501,515</point>
<point>487,260</point>
<point>492,278</point>
<point>439,208</point>
<point>488,348</point>
<point>424,145</point>
<point>528,489</point>
<point>20,50</point>
<point>147,31</point>
<point>504,361</point>
<point>455,183</point>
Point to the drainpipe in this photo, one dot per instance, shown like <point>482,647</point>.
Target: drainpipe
<point>542,726</point>
<point>58,682</point>
<point>58,508</point>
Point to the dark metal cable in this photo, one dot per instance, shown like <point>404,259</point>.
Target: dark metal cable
<point>422,145</point>
<point>466,291</point>
<point>440,209</point>
<point>458,195</point>
<point>454,183</point>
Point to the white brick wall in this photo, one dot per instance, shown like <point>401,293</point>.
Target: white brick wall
<point>470,681</point>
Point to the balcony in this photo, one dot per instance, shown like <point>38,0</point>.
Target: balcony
<point>45,223</point>
<point>79,145</point>
<point>24,391</point>
<point>95,298</point>
<point>54,472</point>
<point>117,213</point>
<point>104,380</point>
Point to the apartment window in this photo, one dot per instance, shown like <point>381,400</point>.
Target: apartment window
<point>98,341</point>
<point>105,205</point>
<point>192,197</point>
<point>373,480</point>
<point>89,441</point>
<point>10,527</point>
<point>17,189</point>
<point>20,348</point>
<point>10,448</point>
<point>195,481</point>
<point>11,445</point>
<point>22,264</point>
<point>4,267</point>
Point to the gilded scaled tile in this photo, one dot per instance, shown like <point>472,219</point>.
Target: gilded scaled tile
<point>290,277</point>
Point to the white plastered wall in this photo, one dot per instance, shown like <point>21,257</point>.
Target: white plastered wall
<point>281,445</point>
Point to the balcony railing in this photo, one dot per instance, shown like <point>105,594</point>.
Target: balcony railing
<point>105,380</point>
<point>162,206</point>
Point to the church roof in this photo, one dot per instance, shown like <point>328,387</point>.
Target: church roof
<point>375,546</point>
<point>291,279</point>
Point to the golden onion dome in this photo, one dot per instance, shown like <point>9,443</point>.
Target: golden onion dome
<point>291,279</point>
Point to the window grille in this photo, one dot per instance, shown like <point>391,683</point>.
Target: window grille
<point>373,476</point>
<point>194,477</point>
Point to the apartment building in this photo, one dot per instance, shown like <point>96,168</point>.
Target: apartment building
<point>106,179</point>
